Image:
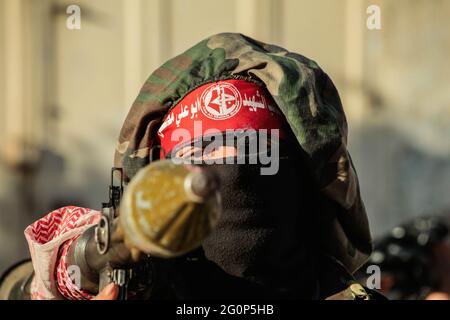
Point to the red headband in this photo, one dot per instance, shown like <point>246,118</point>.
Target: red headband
<point>218,107</point>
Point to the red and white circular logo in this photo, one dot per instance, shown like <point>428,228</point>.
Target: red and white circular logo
<point>221,101</point>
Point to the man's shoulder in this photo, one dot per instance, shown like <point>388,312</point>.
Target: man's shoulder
<point>337,283</point>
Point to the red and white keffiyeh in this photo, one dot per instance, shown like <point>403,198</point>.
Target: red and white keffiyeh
<point>49,239</point>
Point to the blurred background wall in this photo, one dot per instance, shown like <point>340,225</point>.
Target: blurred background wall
<point>64,93</point>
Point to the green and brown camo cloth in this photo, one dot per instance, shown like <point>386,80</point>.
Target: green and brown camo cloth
<point>308,99</point>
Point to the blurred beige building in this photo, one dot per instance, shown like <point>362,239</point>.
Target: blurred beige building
<point>64,93</point>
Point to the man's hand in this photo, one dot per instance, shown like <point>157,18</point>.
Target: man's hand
<point>110,292</point>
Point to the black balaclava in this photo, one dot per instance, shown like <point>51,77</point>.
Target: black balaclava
<point>261,247</point>
<point>262,240</point>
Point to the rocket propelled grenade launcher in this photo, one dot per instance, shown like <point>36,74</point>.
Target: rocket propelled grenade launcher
<point>166,210</point>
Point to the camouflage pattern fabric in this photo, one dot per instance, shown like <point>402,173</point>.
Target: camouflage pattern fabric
<point>308,99</point>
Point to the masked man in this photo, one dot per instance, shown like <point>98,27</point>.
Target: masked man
<point>293,224</point>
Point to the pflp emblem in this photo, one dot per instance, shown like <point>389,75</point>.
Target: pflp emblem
<point>221,101</point>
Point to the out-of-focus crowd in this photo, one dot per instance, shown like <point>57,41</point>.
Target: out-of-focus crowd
<point>412,260</point>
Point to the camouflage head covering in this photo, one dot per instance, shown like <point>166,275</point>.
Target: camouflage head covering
<point>308,99</point>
